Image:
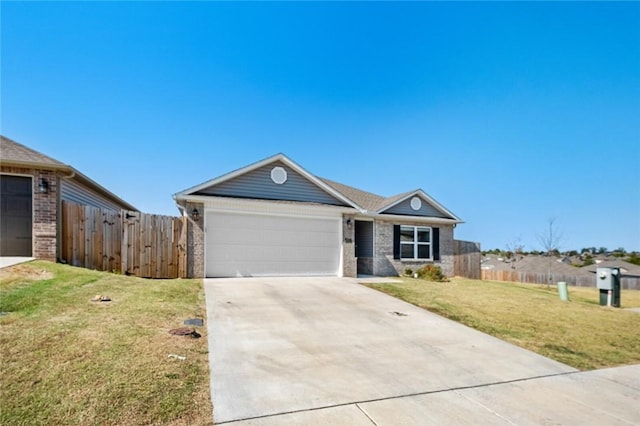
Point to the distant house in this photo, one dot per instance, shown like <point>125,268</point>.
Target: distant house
<point>532,264</point>
<point>274,217</point>
<point>626,269</point>
<point>33,187</point>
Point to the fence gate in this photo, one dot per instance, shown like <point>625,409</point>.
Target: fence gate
<point>126,242</point>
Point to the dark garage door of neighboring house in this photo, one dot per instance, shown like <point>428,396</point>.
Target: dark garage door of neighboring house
<point>16,215</point>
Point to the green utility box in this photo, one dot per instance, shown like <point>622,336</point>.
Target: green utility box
<point>608,282</point>
<point>563,292</point>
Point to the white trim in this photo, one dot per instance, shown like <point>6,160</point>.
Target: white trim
<point>183,195</point>
<point>415,244</point>
<point>364,218</point>
<point>412,219</point>
<point>428,198</point>
<point>273,205</point>
<point>255,205</point>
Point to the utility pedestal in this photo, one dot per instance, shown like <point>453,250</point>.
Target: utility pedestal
<point>608,282</point>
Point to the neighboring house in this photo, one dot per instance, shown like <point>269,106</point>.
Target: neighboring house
<point>275,218</point>
<point>33,187</point>
<point>626,269</point>
<point>531,264</point>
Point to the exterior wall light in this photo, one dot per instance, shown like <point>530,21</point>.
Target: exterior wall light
<point>195,214</point>
<point>349,223</point>
<point>43,186</point>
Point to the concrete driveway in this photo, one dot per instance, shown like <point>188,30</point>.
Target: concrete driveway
<point>330,351</point>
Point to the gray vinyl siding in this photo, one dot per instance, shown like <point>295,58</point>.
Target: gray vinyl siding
<point>75,192</point>
<point>364,239</point>
<point>258,184</point>
<point>404,208</point>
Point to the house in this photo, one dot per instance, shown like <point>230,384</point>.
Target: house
<point>531,264</point>
<point>274,218</point>
<point>626,269</point>
<point>33,187</point>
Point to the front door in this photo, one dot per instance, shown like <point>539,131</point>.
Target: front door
<point>364,247</point>
<point>15,215</point>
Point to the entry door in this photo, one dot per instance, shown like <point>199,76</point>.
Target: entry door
<point>16,215</point>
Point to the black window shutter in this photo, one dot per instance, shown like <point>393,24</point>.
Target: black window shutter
<point>396,241</point>
<point>436,243</point>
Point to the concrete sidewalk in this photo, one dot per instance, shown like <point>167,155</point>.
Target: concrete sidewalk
<point>6,261</point>
<point>330,351</point>
<point>602,397</point>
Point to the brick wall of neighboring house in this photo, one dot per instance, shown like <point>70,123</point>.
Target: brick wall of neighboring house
<point>45,211</point>
<point>385,265</point>
<point>349,266</point>
<point>195,242</point>
<point>45,216</point>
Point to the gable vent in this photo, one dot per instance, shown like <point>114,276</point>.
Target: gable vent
<point>416,203</point>
<point>278,175</point>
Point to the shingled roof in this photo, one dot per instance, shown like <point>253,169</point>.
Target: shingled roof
<point>366,200</point>
<point>14,152</point>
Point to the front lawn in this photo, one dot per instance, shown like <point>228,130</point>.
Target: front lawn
<point>68,360</point>
<point>579,333</point>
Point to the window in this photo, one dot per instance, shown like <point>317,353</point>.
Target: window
<point>415,242</point>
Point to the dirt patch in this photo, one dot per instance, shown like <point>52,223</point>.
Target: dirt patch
<point>25,271</point>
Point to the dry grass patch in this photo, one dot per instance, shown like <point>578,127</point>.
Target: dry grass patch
<point>579,333</point>
<point>68,360</point>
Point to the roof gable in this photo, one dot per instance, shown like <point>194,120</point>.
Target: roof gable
<point>256,181</point>
<point>275,178</point>
<point>416,203</point>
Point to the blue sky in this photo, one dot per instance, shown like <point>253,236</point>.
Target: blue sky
<point>506,113</point>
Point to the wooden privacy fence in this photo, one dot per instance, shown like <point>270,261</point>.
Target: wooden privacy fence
<point>466,259</point>
<point>629,283</point>
<point>126,242</point>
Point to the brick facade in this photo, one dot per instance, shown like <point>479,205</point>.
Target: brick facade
<point>349,266</point>
<point>45,216</point>
<point>385,265</point>
<point>195,242</point>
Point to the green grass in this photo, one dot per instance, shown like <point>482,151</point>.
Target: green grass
<point>67,360</point>
<point>579,333</point>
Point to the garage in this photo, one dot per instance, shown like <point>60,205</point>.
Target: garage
<point>16,215</point>
<point>247,244</point>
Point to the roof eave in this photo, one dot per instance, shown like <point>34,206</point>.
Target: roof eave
<point>430,199</point>
<point>209,199</point>
<point>99,188</point>
<point>37,165</point>
<point>73,173</point>
<point>278,157</point>
<point>430,219</point>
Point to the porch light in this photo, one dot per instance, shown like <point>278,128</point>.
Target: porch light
<point>195,214</point>
<point>43,186</point>
<point>349,223</point>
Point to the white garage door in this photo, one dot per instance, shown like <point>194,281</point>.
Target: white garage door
<point>263,245</point>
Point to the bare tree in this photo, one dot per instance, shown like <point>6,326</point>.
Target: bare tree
<point>550,241</point>
<point>515,246</point>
